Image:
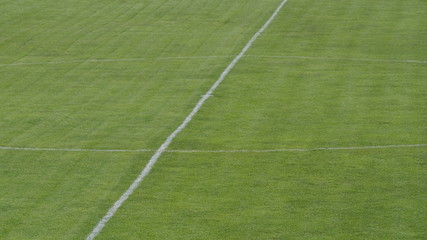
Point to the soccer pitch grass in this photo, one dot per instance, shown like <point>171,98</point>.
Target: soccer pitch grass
<point>124,74</point>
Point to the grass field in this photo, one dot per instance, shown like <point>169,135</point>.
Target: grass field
<point>123,75</point>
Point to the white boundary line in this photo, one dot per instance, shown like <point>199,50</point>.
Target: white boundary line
<point>297,150</point>
<point>335,58</point>
<point>206,57</point>
<point>109,60</point>
<point>214,151</point>
<point>168,141</point>
<point>74,149</point>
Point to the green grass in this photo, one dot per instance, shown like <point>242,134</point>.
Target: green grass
<point>264,103</point>
<point>55,195</point>
<point>370,194</point>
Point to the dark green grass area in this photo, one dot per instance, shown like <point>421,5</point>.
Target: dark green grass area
<point>70,30</point>
<point>47,195</point>
<point>384,29</point>
<point>369,194</point>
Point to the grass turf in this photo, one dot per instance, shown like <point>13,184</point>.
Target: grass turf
<point>369,194</point>
<point>264,103</point>
<point>47,195</point>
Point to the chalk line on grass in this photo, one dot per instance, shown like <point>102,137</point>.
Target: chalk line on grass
<point>74,149</point>
<point>109,60</point>
<point>168,141</point>
<point>214,151</point>
<point>206,57</point>
<point>296,149</point>
<point>336,58</point>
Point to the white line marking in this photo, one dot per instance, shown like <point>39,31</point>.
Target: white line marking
<point>296,150</point>
<point>205,57</point>
<point>212,151</point>
<point>75,149</point>
<point>168,141</point>
<point>334,58</point>
<point>110,60</point>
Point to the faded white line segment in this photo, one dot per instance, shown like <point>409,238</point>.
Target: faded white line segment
<point>168,141</point>
<point>297,149</point>
<point>109,60</point>
<point>214,151</point>
<point>207,57</point>
<point>336,58</point>
<point>74,149</point>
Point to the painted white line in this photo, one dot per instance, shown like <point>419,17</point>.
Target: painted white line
<point>297,150</point>
<point>168,141</point>
<point>206,57</point>
<point>110,60</point>
<point>334,59</point>
<point>74,149</point>
<point>213,151</point>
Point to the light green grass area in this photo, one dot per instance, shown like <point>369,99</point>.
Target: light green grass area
<point>115,105</point>
<point>370,194</point>
<point>282,103</point>
<point>274,98</point>
<point>47,195</point>
<point>126,104</point>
